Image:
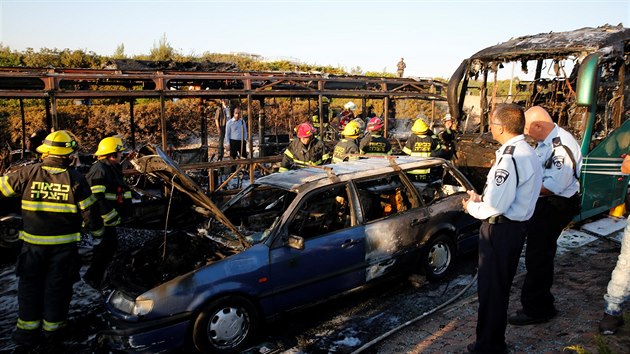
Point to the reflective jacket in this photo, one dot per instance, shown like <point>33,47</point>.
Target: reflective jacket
<point>56,201</point>
<point>421,145</point>
<point>298,155</point>
<point>375,145</point>
<point>108,186</point>
<point>343,148</point>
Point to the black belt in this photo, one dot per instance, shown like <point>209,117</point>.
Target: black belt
<point>499,219</point>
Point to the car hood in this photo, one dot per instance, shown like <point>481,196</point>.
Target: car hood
<point>156,163</point>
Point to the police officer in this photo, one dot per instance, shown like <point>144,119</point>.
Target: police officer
<point>560,155</point>
<point>507,202</point>
<point>56,201</point>
<point>348,145</point>
<point>422,143</point>
<point>304,151</point>
<point>114,198</point>
<point>374,143</point>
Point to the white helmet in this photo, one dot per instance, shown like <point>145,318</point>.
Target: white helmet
<point>350,105</point>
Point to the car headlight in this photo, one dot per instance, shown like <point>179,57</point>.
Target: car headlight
<point>138,307</point>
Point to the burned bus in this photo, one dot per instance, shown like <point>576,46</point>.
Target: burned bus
<point>579,77</point>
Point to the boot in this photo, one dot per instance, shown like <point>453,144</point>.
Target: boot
<point>610,324</point>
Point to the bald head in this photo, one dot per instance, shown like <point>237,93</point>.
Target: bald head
<point>538,123</point>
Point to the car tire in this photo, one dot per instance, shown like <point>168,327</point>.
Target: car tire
<point>226,325</point>
<point>438,257</point>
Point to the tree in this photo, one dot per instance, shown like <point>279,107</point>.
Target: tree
<point>119,53</point>
<point>8,58</point>
<point>163,50</point>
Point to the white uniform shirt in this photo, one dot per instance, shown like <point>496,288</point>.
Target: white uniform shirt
<point>235,130</point>
<point>559,177</point>
<point>501,195</point>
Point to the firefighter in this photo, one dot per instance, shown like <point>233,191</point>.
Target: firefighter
<point>374,143</point>
<point>346,115</point>
<point>56,201</point>
<point>447,137</point>
<point>422,143</point>
<point>114,199</point>
<point>305,151</point>
<point>348,144</point>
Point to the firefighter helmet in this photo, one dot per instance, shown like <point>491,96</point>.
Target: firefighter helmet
<point>419,127</point>
<point>351,129</point>
<point>448,117</point>
<point>305,130</point>
<point>375,124</point>
<point>59,143</point>
<point>109,145</point>
<point>350,106</point>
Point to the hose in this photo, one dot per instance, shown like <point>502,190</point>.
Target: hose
<point>413,320</point>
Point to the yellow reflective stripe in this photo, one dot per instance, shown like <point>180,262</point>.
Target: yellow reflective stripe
<point>5,188</point>
<point>53,169</point>
<point>53,326</point>
<point>98,233</point>
<point>288,153</point>
<point>420,172</point>
<point>50,240</point>
<point>87,202</point>
<point>283,169</point>
<point>111,196</point>
<point>98,189</point>
<point>28,325</point>
<point>109,216</point>
<point>48,206</point>
<point>127,195</point>
<point>420,154</point>
<point>407,150</point>
<point>325,157</point>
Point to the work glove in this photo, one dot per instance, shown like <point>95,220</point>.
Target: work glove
<point>96,241</point>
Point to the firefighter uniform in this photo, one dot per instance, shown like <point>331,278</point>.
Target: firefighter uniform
<point>114,199</point>
<point>507,202</point>
<point>375,145</point>
<point>298,155</point>
<point>56,201</point>
<point>348,145</point>
<point>422,143</point>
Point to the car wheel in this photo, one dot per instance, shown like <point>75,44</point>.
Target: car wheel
<point>438,257</point>
<point>226,325</point>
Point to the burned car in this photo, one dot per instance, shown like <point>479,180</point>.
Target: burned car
<point>286,241</point>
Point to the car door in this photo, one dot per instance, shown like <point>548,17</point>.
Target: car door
<point>393,217</point>
<point>332,260</point>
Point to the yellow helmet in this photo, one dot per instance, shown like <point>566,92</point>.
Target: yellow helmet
<point>109,145</point>
<point>419,127</point>
<point>351,129</point>
<point>59,143</point>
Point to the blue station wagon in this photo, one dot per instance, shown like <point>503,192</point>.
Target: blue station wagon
<point>289,240</point>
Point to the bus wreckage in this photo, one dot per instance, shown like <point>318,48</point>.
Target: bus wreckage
<point>580,77</point>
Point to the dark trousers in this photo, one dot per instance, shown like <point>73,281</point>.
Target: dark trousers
<point>46,274</point>
<point>102,256</point>
<point>238,148</point>
<point>551,216</point>
<point>500,246</point>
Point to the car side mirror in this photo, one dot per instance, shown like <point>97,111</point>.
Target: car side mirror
<point>295,242</point>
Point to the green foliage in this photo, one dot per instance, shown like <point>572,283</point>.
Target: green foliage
<point>119,53</point>
<point>162,50</point>
<point>8,58</point>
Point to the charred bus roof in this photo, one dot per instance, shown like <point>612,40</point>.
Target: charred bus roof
<point>608,40</point>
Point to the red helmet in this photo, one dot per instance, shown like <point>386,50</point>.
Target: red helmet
<point>375,124</point>
<point>305,130</point>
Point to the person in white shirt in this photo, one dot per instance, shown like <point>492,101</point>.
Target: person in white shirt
<point>236,135</point>
<point>507,202</point>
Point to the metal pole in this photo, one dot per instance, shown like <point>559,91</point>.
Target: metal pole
<point>23,127</point>
<point>132,124</point>
<point>163,122</point>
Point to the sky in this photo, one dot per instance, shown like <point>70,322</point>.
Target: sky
<point>433,36</point>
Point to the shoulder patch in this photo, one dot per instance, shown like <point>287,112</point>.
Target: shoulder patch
<point>509,150</point>
<point>500,176</point>
<point>558,161</point>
